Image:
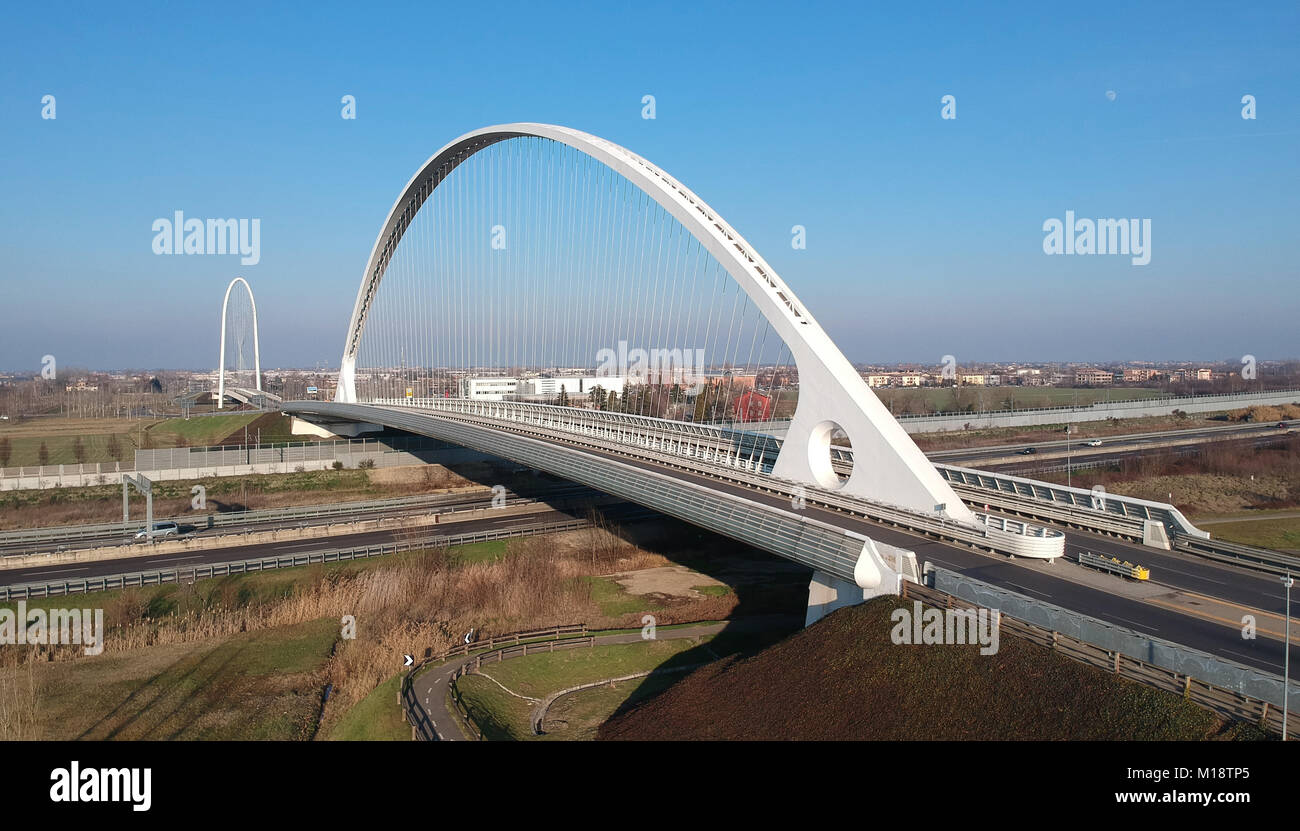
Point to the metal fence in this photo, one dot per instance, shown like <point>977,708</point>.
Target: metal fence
<point>283,453</point>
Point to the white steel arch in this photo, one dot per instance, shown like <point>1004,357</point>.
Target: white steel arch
<point>257,355</point>
<point>888,466</point>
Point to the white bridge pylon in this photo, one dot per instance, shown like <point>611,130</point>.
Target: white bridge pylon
<point>257,355</point>
<point>888,466</point>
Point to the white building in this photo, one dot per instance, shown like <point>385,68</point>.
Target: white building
<point>488,389</point>
<point>502,389</point>
<point>572,385</point>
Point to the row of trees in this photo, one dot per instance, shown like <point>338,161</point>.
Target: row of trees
<point>113,446</point>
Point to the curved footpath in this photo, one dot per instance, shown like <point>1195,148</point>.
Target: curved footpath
<point>433,687</point>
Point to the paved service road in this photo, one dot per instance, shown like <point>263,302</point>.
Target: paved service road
<point>433,686</point>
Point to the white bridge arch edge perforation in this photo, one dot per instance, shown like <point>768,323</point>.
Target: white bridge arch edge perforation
<point>888,466</point>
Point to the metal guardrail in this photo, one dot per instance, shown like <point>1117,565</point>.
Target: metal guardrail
<point>1246,556</point>
<point>422,727</point>
<point>1113,565</point>
<point>1237,704</point>
<point>140,579</point>
<point>217,520</point>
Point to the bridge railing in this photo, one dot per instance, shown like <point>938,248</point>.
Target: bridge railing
<point>483,432</point>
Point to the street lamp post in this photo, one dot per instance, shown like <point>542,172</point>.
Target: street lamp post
<point>1286,656</point>
<point>1069,470</point>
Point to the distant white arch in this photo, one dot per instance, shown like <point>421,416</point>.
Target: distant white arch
<point>888,466</point>
<point>257,355</point>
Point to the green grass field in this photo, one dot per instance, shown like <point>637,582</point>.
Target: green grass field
<point>479,552</point>
<point>262,685</point>
<point>59,435</point>
<point>375,718</point>
<point>1282,534</point>
<point>502,716</point>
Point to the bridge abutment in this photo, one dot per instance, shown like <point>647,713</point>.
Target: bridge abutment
<point>880,570</point>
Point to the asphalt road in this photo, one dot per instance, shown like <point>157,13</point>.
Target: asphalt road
<point>1121,446</point>
<point>196,521</point>
<point>53,572</point>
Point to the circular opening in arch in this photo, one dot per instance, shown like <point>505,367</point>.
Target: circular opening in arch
<point>830,455</point>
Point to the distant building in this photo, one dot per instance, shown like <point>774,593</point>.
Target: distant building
<point>571,385</point>
<point>752,406</point>
<point>488,389</point>
<point>1139,376</point>
<point>1094,377</point>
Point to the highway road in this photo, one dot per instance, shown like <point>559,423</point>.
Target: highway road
<point>54,572</point>
<point>1124,446</point>
<point>435,503</point>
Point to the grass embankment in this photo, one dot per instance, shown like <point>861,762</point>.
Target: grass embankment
<point>99,435</point>
<point>374,718</point>
<point>1280,532</point>
<point>1218,479</point>
<point>254,685</point>
<point>576,716</point>
<point>843,678</point>
<point>417,603</point>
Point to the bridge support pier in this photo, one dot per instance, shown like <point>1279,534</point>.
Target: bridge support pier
<point>826,593</point>
<point>326,429</point>
<point>881,569</point>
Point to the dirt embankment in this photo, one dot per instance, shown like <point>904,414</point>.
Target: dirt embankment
<point>843,678</point>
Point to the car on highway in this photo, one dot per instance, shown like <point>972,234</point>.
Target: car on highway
<point>1092,443</point>
<point>160,529</point>
<point>1029,451</point>
<point>1282,425</point>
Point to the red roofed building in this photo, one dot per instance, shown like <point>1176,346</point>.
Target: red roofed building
<point>753,406</point>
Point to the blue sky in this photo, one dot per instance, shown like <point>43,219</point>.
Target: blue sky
<point>924,234</point>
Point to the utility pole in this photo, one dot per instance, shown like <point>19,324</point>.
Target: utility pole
<point>1069,481</point>
<point>1286,656</point>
